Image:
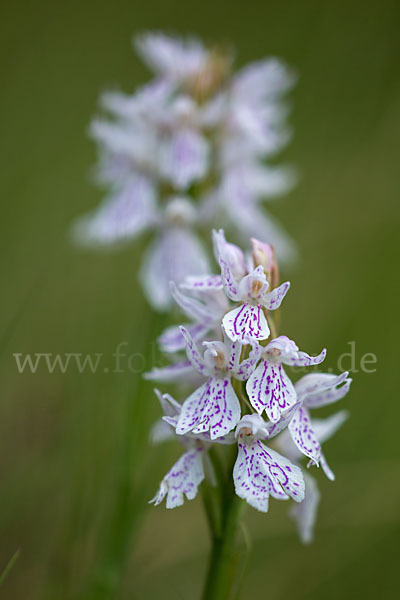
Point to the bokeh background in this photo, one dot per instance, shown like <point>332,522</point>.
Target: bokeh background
<point>76,471</point>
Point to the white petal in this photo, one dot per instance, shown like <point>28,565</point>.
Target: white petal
<point>193,354</point>
<point>176,58</point>
<point>121,217</point>
<point>176,372</point>
<point>169,405</point>
<point>171,340</point>
<point>326,428</point>
<point>273,299</point>
<point>270,389</point>
<point>305,513</point>
<point>327,396</point>
<point>254,286</point>
<point>191,306</point>
<point>273,429</point>
<point>247,366</point>
<point>229,282</point>
<point>251,221</point>
<point>213,407</point>
<point>182,480</point>
<point>303,435</point>
<point>314,383</point>
<point>137,141</point>
<point>289,353</point>
<point>161,432</point>
<point>230,253</point>
<point>146,101</point>
<point>172,257</point>
<point>202,283</point>
<point>262,80</point>
<point>246,322</point>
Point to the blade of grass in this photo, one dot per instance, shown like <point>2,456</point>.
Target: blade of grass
<point>9,566</point>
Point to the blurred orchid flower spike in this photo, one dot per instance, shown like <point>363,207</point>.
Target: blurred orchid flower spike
<point>188,150</point>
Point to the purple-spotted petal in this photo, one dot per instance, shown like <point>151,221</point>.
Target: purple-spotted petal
<point>121,217</point>
<point>273,429</point>
<point>193,352</point>
<point>229,282</point>
<point>314,383</point>
<point>260,472</point>
<point>171,340</point>
<point>184,158</point>
<point>247,366</point>
<point>273,299</point>
<point>326,428</point>
<point>175,372</point>
<point>304,436</point>
<point>230,253</point>
<point>246,322</point>
<point>182,480</point>
<point>305,360</point>
<point>202,283</point>
<point>213,407</point>
<point>191,306</point>
<point>270,389</point>
<point>326,468</point>
<point>286,351</point>
<point>305,513</point>
<point>327,396</point>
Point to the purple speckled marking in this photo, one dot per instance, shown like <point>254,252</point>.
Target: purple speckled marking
<point>303,435</point>
<point>247,322</point>
<point>260,472</point>
<point>213,407</point>
<point>203,282</point>
<point>229,282</point>
<point>270,389</point>
<point>183,479</point>
<point>327,397</point>
<point>318,382</point>
<point>171,372</point>
<point>248,365</point>
<point>193,353</point>
<point>273,299</point>
<point>191,306</point>
<point>171,340</point>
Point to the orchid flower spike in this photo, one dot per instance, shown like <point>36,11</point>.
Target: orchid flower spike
<point>186,148</point>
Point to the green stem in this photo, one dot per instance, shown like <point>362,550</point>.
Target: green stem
<point>225,559</point>
<point>224,566</point>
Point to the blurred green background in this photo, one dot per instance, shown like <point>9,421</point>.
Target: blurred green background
<point>73,446</point>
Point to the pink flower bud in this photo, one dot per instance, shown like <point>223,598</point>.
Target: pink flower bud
<point>264,256</point>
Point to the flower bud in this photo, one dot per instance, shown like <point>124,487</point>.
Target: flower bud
<point>264,256</point>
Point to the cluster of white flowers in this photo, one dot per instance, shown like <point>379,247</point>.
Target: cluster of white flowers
<point>244,397</point>
<point>188,151</point>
